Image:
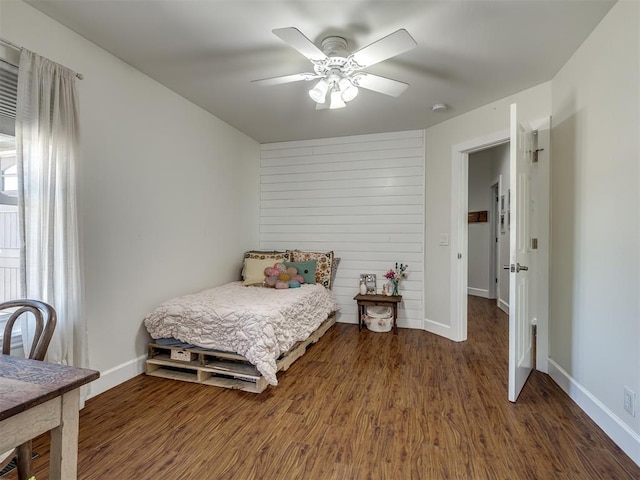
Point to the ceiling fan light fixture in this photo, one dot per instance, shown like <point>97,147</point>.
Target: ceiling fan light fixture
<point>336,100</point>
<point>319,92</point>
<point>340,73</point>
<point>348,89</point>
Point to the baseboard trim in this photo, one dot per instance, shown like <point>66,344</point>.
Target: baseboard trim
<point>117,375</point>
<point>610,423</point>
<point>504,306</point>
<point>412,323</point>
<point>478,292</point>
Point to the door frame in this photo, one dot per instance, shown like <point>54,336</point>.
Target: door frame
<point>494,253</point>
<point>459,233</point>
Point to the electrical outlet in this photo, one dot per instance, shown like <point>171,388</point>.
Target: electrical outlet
<point>630,401</point>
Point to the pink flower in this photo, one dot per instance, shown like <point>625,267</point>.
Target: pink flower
<point>396,274</point>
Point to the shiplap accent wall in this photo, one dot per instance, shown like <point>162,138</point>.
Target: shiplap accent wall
<point>360,196</point>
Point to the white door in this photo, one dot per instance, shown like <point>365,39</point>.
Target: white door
<point>518,208</point>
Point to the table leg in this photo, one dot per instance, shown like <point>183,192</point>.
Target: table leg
<point>23,453</point>
<point>64,439</point>
<point>359,317</point>
<point>395,318</point>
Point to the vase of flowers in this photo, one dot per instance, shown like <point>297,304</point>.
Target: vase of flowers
<point>395,275</point>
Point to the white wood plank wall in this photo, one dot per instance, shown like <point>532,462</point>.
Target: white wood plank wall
<point>360,196</point>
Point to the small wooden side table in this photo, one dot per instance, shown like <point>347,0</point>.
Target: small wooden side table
<point>365,301</point>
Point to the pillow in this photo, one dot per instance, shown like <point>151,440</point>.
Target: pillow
<point>253,272</point>
<point>323,264</point>
<point>306,270</point>
<point>281,276</point>
<point>334,269</point>
<point>273,255</point>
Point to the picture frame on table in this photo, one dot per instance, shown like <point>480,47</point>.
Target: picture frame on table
<point>370,282</point>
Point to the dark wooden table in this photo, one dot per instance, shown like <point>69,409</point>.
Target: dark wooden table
<point>365,301</point>
<point>36,397</point>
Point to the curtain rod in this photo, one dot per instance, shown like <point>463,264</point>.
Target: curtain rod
<point>19,48</point>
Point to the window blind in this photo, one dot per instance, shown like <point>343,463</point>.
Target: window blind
<point>8,97</point>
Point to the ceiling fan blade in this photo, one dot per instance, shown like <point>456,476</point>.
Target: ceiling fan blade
<point>393,44</point>
<point>296,77</point>
<point>297,40</point>
<point>380,84</point>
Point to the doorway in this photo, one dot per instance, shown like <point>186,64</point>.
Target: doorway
<point>459,237</point>
<point>488,239</point>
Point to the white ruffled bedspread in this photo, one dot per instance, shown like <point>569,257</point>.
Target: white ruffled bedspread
<point>259,323</point>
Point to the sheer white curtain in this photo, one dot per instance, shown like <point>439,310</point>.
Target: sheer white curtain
<point>47,152</point>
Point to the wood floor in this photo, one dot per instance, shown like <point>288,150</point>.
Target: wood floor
<point>356,406</point>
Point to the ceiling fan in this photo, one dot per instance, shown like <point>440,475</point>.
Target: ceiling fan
<point>340,73</point>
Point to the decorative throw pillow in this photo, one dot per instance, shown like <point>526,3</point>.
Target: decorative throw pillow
<point>253,272</point>
<point>323,264</point>
<point>306,270</point>
<point>273,256</point>
<point>334,269</point>
<point>282,276</point>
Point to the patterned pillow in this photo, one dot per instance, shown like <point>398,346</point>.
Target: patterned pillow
<point>323,260</point>
<point>283,256</point>
<point>334,269</point>
<point>254,258</point>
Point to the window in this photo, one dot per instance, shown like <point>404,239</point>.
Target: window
<point>9,233</point>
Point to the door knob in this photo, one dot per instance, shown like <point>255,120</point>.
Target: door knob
<point>516,268</point>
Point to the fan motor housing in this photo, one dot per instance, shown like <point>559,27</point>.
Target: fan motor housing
<point>334,46</point>
<point>337,62</point>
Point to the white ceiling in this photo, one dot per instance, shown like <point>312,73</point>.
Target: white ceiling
<point>469,53</point>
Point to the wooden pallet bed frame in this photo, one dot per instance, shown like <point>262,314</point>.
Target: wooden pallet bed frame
<point>221,369</point>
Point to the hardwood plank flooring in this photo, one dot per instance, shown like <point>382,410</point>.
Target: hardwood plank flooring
<point>358,405</point>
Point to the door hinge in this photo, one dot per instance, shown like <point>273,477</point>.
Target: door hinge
<point>534,244</point>
<point>535,154</point>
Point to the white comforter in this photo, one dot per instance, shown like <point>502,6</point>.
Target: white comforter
<point>258,323</point>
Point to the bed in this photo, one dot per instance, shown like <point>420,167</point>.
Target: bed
<point>239,335</point>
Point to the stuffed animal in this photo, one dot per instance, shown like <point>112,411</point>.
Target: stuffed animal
<point>280,276</point>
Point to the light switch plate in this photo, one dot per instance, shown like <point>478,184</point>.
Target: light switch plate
<point>444,239</point>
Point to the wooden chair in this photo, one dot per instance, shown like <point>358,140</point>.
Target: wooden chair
<point>45,317</point>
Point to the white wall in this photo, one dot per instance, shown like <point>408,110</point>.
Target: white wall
<point>362,197</point>
<point>595,287</point>
<point>169,193</point>
<point>534,103</point>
